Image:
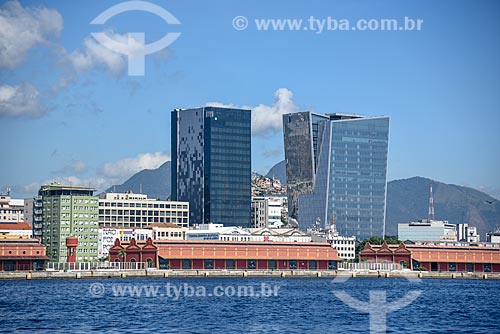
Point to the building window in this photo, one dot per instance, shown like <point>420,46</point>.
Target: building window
<point>452,266</point>
<point>186,264</point>
<point>209,264</point>
<point>487,267</point>
<point>252,264</point>
<point>293,264</point>
<point>229,264</point>
<point>332,265</point>
<point>312,265</point>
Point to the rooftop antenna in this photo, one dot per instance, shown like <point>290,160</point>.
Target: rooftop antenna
<point>8,191</point>
<point>431,205</point>
<point>140,188</point>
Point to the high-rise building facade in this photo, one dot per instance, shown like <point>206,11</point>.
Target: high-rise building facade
<point>211,164</point>
<point>336,166</point>
<point>67,211</point>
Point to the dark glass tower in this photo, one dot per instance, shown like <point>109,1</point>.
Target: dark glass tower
<point>211,164</point>
<point>336,165</point>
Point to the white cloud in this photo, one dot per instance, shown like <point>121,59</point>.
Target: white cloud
<point>23,28</point>
<point>74,167</point>
<point>125,168</point>
<point>93,182</point>
<point>266,118</point>
<point>93,55</point>
<point>20,100</point>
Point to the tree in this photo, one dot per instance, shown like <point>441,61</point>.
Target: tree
<point>123,254</point>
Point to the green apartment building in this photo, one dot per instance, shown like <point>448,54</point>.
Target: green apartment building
<point>62,211</point>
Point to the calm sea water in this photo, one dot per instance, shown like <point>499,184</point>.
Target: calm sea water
<point>301,306</point>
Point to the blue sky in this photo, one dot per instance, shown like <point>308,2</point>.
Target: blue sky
<point>70,113</point>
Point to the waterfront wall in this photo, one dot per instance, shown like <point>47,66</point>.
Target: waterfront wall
<point>241,273</point>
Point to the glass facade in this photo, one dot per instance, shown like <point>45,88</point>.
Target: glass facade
<point>347,176</point>
<point>211,164</point>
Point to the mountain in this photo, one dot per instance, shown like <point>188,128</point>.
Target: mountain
<point>155,182</point>
<point>278,171</point>
<point>408,200</point>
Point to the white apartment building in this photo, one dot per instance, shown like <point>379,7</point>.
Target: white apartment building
<point>267,211</point>
<point>11,210</point>
<point>138,211</point>
<point>346,246</point>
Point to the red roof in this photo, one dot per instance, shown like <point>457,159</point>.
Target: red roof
<point>15,226</point>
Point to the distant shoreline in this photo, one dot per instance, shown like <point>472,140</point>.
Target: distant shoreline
<point>37,275</point>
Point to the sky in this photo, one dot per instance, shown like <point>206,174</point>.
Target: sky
<point>70,112</point>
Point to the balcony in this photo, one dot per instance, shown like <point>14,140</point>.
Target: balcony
<point>38,211</point>
<point>37,204</point>
<point>38,218</point>
<point>37,226</point>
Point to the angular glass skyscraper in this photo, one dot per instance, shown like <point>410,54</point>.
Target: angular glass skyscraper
<point>211,164</point>
<point>336,166</point>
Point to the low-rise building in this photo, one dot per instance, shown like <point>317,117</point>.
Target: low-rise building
<point>269,211</point>
<point>259,212</point>
<point>431,256</point>
<point>466,233</point>
<point>138,211</point>
<point>216,254</point>
<point>346,246</point>
<point>493,237</point>
<point>21,254</point>
<point>11,210</point>
<point>16,229</point>
<point>167,231</point>
<point>427,230</point>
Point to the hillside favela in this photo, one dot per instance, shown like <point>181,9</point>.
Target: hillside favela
<point>265,167</point>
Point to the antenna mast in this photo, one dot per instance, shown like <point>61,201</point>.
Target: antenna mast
<point>431,205</point>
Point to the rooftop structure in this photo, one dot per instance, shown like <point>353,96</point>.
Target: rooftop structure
<point>427,230</point>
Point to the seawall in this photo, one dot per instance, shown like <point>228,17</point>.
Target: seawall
<point>240,273</point>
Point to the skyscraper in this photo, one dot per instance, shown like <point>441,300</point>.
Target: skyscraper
<point>211,164</point>
<point>336,166</point>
